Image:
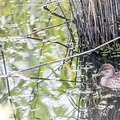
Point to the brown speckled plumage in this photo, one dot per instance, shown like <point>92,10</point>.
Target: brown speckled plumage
<point>109,78</point>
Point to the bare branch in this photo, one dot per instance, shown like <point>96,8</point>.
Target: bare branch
<point>46,28</point>
<point>48,63</point>
<point>53,13</point>
<point>48,41</point>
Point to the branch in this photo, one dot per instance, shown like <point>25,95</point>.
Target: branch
<point>53,13</point>
<point>48,41</point>
<point>46,28</point>
<point>47,79</point>
<point>48,63</point>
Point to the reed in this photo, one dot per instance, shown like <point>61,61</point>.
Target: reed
<point>96,21</point>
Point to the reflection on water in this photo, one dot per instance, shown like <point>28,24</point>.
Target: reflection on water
<point>106,106</point>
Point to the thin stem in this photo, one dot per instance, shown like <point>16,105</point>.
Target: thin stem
<point>8,86</point>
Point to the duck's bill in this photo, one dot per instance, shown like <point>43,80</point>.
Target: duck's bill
<point>97,75</point>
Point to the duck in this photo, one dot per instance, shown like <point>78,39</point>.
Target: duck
<point>109,78</point>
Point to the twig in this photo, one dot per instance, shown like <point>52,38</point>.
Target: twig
<point>48,41</point>
<point>45,28</point>
<point>53,13</point>
<point>47,79</point>
<point>48,63</point>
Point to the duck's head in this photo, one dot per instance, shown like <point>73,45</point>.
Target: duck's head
<point>106,70</point>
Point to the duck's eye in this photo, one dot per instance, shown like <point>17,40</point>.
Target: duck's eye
<point>103,69</point>
<point>107,71</point>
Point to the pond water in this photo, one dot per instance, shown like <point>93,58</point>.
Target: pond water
<point>62,90</point>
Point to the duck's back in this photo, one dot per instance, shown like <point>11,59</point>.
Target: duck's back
<point>117,74</point>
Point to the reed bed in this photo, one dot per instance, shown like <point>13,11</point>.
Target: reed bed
<point>97,21</point>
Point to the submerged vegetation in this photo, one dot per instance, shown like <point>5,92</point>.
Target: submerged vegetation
<point>34,33</point>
